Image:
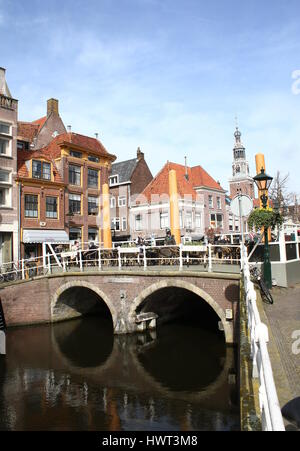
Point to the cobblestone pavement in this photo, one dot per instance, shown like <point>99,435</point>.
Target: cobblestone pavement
<point>284,320</point>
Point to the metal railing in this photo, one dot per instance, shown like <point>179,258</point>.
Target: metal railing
<point>271,417</point>
<point>182,256</point>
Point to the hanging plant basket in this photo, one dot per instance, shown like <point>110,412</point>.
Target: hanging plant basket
<point>264,218</point>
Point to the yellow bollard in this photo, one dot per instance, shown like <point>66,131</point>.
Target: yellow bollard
<point>174,206</point>
<point>107,242</point>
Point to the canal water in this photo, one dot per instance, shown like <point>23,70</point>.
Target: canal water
<point>77,375</point>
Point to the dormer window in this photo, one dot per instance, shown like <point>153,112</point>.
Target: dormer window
<point>113,180</point>
<point>41,170</point>
<point>74,153</point>
<point>93,158</point>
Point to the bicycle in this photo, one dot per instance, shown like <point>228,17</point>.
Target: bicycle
<point>257,277</point>
<point>10,275</point>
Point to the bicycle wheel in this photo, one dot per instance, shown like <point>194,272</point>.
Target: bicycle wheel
<point>266,292</point>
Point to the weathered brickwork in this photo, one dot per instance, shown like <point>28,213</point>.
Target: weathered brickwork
<point>38,301</point>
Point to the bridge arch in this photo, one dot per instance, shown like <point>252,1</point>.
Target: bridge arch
<point>228,331</point>
<point>86,285</point>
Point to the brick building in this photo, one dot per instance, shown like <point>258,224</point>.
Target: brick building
<point>127,180</point>
<point>9,230</point>
<point>61,191</point>
<point>201,204</point>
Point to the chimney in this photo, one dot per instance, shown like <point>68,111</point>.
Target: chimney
<point>139,154</point>
<point>96,135</point>
<point>69,128</point>
<point>52,107</point>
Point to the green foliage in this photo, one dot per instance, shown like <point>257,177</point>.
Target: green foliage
<point>264,218</point>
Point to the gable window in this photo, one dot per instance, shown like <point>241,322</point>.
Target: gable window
<point>31,206</point>
<point>5,128</point>
<point>92,205</point>
<point>41,170</point>
<point>51,207</point>
<point>93,158</point>
<point>75,204</point>
<point>74,153</point>
<point>113,180</point>
<point>74,175</point>
<point>93,178</point>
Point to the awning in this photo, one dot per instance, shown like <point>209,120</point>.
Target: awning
<point>45,236</point>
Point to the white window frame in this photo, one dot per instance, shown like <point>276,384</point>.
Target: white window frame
<point>124,223</point>
<point>114,222</point>
<point>112,201</point>
<point>4,171</point>
<point>7,124</point>
<point>122,201</point>
<point>198,220</point>
<point>138,223</point>
<point>164,221</point>
<point>219,203</point>
<point>112,178</point>
<point>210,201</point>
<point>8,141</point>
<point>188,215</point>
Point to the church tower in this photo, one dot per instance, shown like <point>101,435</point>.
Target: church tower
<point>240,182</point>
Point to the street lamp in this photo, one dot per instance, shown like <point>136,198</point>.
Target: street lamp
<point>263,183</point>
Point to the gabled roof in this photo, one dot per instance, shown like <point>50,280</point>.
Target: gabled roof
<point>79,141</point>
<point>124,169</point>
<point>40,122</point>
<point>27,131</point>
<point>25,155</point>
<point>197,177</point>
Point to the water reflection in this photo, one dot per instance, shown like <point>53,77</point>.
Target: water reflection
<point>78,376</point>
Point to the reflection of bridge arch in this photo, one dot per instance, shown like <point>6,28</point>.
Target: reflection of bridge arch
<point>86,285</point>
<point>175,283</point>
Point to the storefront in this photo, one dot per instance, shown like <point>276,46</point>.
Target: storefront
<point>33,241</point>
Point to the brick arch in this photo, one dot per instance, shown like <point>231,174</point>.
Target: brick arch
<point>84,284</point>
<point>189,287</point>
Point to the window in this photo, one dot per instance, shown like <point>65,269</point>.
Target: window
<point>31,206</point>
<point>218,203</point>
<point>74,153</point>
<point>41,170</point>
<point>198,220</point>
<point>188,220</point>
<point>113,180</point>
<point>124,224</point>
<point>5,128</point>
<point>74,175</point>
<point>92,178</point>
<point>51,207</point>
<point>4,176</point>
<point>93,158</point>
<point>4,145</point>
<point>22,145</point>
<point>115,224</point>
<point>164,220</point>
<point>112,202</point>
<point>75,204</point>
<point>2,196</point>
<point>122,201</point>
<point>92,205</point>
<point>93,234</point>
<point>75,234</point>
<point>210,202</point>
<point>5,197</point>
<point>216,221</point>
<point>180,220</point>
<point>138,223</point>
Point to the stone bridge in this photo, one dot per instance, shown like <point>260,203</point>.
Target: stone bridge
<point>123,295</point>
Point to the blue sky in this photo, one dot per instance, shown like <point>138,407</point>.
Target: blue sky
<point>169,76</point>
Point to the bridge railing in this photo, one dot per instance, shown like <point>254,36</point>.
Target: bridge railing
<point>271,416</point>
<point>182,256</point>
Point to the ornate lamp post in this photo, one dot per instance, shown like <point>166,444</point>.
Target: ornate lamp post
<point>263,183</point>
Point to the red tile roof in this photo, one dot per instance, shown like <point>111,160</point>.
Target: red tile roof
<point>197,177</point>
<point>40,122</point>
<point>85,142</point>
<point>27,131</point>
